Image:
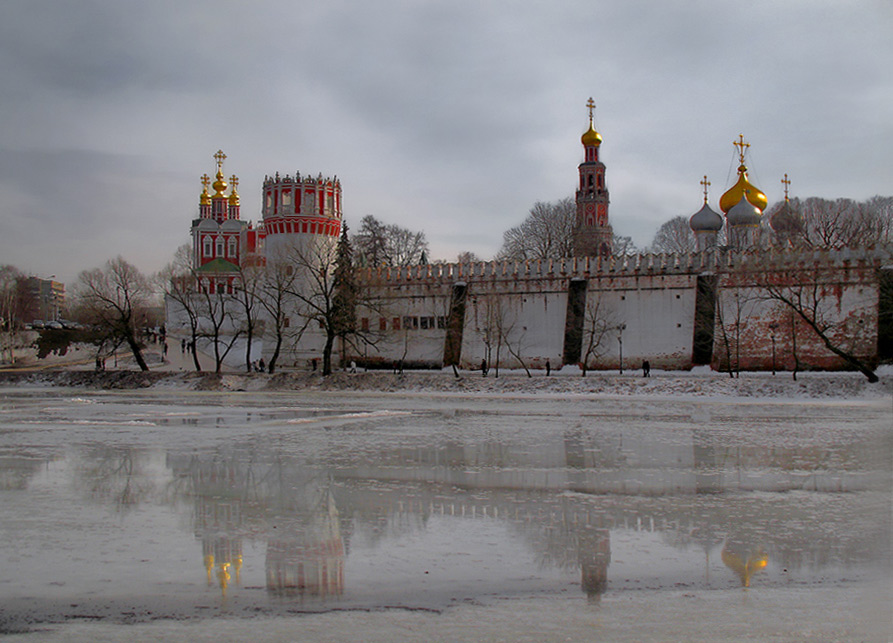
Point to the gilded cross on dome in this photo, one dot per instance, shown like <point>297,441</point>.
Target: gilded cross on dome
<point>206,180</point>
<point>786,183</point>
<point>741,145</point>
<point>219,157</point>
<point>591,105</point>
<point>705,183</point>
<point>234,181</point>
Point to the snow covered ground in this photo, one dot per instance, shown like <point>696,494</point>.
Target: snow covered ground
<point>423,508</point>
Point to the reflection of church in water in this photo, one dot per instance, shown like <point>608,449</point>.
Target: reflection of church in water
<point>567,498</point>
<point>234,500</point>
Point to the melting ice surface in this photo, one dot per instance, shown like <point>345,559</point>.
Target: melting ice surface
<point>153,508</point>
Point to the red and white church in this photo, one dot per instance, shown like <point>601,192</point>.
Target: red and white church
<point>223,244</point>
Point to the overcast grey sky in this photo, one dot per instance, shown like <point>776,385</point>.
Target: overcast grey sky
<point>448,117</point>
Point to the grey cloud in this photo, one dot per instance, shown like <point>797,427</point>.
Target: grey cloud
<point>442,116</point>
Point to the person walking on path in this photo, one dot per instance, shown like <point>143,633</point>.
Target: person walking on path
<point>483,368</point>
<point>646,369</point>
<point>548,368</point>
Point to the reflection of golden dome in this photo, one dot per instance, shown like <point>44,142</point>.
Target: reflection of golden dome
<point>756,560</point>
<point>591,137</point>
<point>209,565</point>
<point>219,185</point>
<point>223,577</point>
<point>744,188</point>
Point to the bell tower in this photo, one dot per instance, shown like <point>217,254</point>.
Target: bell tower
<point>593,235</point>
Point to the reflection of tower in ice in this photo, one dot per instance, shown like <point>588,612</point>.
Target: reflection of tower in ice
<point>743,559</point>
<point>221,516</point>
<point>306,557</point>
<point>708,463</point>
<point>595,556</point>
<point>218,519</point>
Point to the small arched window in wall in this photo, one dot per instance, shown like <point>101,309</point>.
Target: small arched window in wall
<point>219,248</point>
<point>286,197</point>
<point>206,249</point>
<point>231,247</point>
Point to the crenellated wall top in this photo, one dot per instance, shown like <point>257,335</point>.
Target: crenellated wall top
<point>646,264</point>
<point>297,179</point>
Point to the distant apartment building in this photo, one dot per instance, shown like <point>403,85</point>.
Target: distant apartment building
<point>44,299</point>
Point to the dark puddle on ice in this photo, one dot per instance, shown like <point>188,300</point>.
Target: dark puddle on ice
<point>194,505</point>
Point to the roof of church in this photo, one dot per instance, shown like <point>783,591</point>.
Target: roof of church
<point>744,213</point>
<point>706,220</point>
<point>218,265</point>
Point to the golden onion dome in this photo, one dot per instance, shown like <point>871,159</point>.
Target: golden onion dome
<point>205,198</point>
<point>743,188</point>
<point>233,195</point>
<point>591,137</point>
<point>219,185</point>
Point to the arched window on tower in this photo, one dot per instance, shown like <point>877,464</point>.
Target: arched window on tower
<point>206,249</point>
<point>231,247</point>
<point>219,247</point>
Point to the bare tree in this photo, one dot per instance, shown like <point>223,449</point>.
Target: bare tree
<point>811,298</point>
<point>115,297</point>
<point>178,282</point>
<point>624,246</point>
<point>597,326</point>
<point>405,247</point>
<point>732,313</point>
<point>278,282</point>
<point>509,334</point>
<point>314,290</point>
<point>371,242</point>
<point>674,236</point>
<point>840,223</point>
<point>487,312</point>
<point>218,321</point>
<point>378,244</point>
<point>467,257</point>
<point>546,233</point>
<point>10,311</point>
<point>247,293</point>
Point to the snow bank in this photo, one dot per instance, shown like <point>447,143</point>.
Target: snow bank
<point>708,384</point>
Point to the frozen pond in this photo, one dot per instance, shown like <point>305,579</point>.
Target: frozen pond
<point>178,515</point>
